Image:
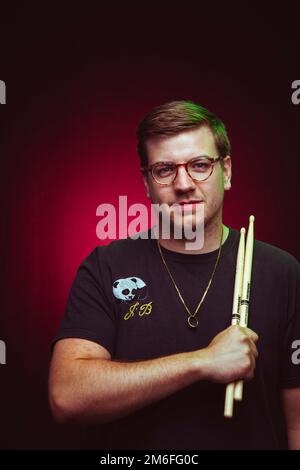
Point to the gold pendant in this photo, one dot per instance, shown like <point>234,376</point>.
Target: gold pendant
<point>193,322</point>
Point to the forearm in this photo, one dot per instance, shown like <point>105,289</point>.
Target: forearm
<point>99,390</point>
<point>86,385</point>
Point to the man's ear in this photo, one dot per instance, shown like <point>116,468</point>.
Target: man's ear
<point>227,172</point>
<point>146,182</point>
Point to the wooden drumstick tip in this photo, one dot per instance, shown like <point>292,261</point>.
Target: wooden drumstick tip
<point>251,218</point>
<point>243,230</point>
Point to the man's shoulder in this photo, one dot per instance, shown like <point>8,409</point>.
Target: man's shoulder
<point>273,256</point>
<point>122,249</point>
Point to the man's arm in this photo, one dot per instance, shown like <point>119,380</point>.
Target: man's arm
<point>291,405</point>
<point>87,386</point>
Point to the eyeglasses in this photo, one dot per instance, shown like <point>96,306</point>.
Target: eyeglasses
<point>199,169</point>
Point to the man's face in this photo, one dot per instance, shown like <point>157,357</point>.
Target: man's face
<point>185,191</point>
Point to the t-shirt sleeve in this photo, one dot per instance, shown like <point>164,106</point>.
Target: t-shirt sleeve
<point>290,340</point>
<point>89,313</point>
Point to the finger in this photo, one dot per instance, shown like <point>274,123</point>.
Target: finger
<point>251,334</point>
<point>253,349</point>
<point>250,374</point>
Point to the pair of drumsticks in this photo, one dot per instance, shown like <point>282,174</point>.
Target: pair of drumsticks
<point>240,306</point>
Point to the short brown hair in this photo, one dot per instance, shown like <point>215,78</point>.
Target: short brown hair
<point>178,116</point>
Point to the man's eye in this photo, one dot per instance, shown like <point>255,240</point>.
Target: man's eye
<point>200,166</point>
<point>164,170</point>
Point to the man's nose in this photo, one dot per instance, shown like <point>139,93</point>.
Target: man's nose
<point>183,181</point>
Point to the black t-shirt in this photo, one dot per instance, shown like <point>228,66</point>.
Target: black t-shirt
<point>124,299</point>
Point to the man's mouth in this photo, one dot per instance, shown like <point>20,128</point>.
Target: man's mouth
<point>189,205</point>
<point>191,202</point>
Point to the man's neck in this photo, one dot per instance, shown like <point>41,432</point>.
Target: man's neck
<point>212,238</point>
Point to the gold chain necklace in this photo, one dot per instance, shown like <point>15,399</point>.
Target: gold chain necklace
<point>192,318</point>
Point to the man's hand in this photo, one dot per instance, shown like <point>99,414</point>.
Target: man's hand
<point>231,355</point>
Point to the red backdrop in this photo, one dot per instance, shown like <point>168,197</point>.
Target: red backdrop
<point>78,81</point>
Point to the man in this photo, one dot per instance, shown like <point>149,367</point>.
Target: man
<point>145,347</point>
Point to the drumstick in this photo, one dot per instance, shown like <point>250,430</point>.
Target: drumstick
<point>235,318</point>
<point>238,390</point>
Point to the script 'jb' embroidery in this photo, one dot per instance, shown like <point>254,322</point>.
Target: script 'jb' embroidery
<point>138,309</point>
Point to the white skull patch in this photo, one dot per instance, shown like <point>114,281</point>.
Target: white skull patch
<point>129,289</point>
